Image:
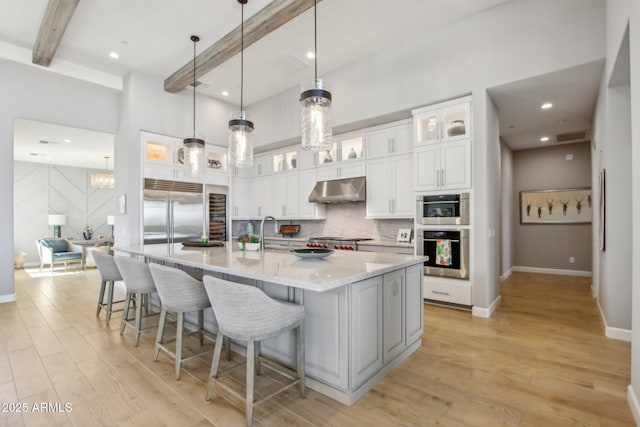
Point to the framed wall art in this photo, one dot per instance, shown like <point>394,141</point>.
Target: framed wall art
<point>568,206</point>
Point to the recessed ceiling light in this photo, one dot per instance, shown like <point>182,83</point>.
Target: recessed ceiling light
<point>544,139</point>
<point>225,93</point>
<point>114,55</point>
<point>546,105</point>
<point>67,140</point>
<point>311,55</point>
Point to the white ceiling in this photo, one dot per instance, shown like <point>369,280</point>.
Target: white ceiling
<point>152,37</point>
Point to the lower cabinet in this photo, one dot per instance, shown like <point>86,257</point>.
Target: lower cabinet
<point>366,329</point>
<point>414,305</point>
<point>447,290</point>
<point>393,304</point>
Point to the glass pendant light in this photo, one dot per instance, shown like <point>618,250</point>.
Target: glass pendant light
<point>193,147</point>
<point>315,100</point>
<point>241,129</point>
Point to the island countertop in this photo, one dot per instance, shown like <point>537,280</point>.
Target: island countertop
<point>284,268</point>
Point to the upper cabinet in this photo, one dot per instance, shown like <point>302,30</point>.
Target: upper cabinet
<point>160,159</point>
<point>216,165</point>
<point>262,165</point>
<point>447,121</point>
<point>389,141</point>
<point>345,147</point>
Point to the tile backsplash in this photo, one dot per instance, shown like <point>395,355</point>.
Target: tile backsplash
<point>342,219</point>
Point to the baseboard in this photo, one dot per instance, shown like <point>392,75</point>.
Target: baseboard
<point>611,332</point>
<point>506,274</point>
<point>557,271</point>
<point>633,404</point>
<point>7,298</point>
<point>486,312</point>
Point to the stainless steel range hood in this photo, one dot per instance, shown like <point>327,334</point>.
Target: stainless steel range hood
<point>339,191</point>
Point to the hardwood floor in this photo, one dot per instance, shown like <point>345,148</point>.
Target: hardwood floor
<point>541,360</point>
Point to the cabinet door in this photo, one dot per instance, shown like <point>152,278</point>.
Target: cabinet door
<point>456,165</point>
<point>379,143</point>
<point>351,169</point>
<point>291,193</point>
<point>427,167</point>
<point>328,173</point>
<point>306,183</point>
<point>414,304</point>
<point>262,165</point>
<point>260,203</point>
<point>307,159</point>
<point>403,139</point>
<point>379,185</point>
<point>366,330</point>
<point>393,315</point>
<point>403,194</point>
<point>240,196</point>
<point>159,171</point>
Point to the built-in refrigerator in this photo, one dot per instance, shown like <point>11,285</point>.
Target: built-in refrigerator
<point>173,211</point>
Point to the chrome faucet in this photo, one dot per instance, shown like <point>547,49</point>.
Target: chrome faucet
<point>262,229</point>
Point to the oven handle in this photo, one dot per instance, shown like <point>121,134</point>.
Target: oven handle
<point>441,202</point>
<point>435,240</point>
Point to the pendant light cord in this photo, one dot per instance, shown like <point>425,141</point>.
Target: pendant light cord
<point>315,37</point>
<point>241,56</point>
<point>194,88</point>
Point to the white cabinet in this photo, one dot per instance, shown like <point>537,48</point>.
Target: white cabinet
<point>390,187</point>
<point>306,183</point>
<point>446,121</point>
<point>262,165</point>
<point>240,196</point>
<point>159,156</point>
<point>443,166</point>
<point>285,195</point>
<point>307,159</point>
<point>393,302</point>
<point>216,169</point>
<point>366,329</point>
<point>414,306</point>
<point>447,290</point>
<point>389,141</point>
<point>341,170</point>
<point>260,202</point>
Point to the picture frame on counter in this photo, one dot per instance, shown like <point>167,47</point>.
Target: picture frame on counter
<point>565,206</point>
<point>404,235</point>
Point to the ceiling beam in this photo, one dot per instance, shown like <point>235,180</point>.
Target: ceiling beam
<point>55,21</point>
<point>271,17</point>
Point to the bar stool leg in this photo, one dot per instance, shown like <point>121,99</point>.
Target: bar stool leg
<point>125,312</point>
<point>257,358</point>
<point>301,358</point>
<point>159,335</point>
<point>215,364</point>
<point>103,284</point>
<point>201,326</point>
<point>138,317</point>
<point>180,327</point>
<point>227,340</point>
<point>109,300</point>
<point>250,379</point>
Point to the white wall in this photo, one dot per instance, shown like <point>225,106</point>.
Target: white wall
<point>508,207</point>
<point>34,94</point>
<point>514,41</point>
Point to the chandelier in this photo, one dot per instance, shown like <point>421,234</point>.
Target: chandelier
<point>103,179</point>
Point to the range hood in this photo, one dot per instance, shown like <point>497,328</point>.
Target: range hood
<point>339,191</point>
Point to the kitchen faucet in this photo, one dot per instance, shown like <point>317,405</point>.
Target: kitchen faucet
<point>262,229</point>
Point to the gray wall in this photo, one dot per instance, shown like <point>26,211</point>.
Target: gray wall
<point>550,246</point>
<point>506,182</point>
<point>43,189</point>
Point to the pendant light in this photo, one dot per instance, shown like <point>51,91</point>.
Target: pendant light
<point>193,147</point>
<point>103,179</point>
<point>241,129</point>
<point>315,100</point>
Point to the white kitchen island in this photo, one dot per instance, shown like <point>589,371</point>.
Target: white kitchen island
<point>364,311</point>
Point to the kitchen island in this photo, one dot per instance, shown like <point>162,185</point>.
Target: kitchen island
<point>364,311</point>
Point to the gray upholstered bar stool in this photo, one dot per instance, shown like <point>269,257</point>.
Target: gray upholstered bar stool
<point>179,293</point>
<point>139,283</point>
<point>110,274</point>
<point>245,313</point>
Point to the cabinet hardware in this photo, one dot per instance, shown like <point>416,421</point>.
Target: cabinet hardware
<point>440,293</point>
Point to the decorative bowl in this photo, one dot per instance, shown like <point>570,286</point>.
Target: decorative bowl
<point>249,246</point>
<point>456,128</point>
<point>312,253</point>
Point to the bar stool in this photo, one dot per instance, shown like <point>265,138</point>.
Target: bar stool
<point>246,313</point>
<point>139,283</point>
<point>179,293</point>
<point>110,274</point>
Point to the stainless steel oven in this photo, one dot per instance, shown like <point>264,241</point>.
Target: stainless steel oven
<point>443,209</point>
<point>448,252</point>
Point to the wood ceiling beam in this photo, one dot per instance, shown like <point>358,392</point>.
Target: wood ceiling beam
<point>271,17</point>
<point>55,21</point>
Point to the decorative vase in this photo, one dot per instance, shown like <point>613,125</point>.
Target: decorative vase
<point>248,246</point>
<point>87,233</point>
<point>20,259</point>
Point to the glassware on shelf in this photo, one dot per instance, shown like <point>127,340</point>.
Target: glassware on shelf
<point>328,158</point>
<point>352,154</point>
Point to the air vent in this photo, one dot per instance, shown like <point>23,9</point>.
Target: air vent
<point>581,135</point>
<point>198,83</point>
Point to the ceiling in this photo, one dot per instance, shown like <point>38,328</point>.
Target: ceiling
<point>152,37</point>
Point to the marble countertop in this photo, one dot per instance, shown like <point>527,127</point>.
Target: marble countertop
<point>281,267</point>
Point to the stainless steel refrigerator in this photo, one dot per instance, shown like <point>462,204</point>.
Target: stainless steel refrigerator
<point>173,211</point>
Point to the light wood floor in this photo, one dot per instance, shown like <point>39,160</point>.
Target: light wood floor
<point>541,360</point>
